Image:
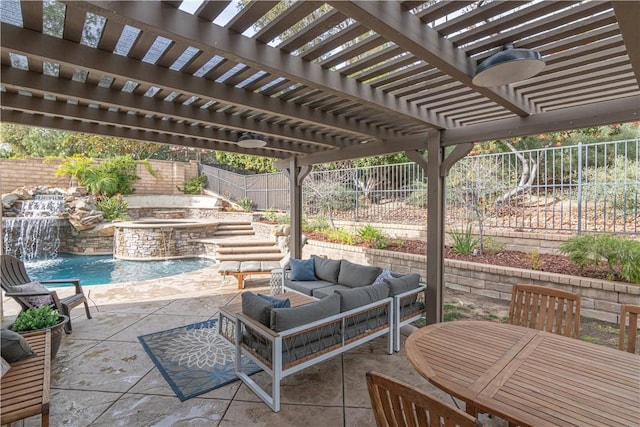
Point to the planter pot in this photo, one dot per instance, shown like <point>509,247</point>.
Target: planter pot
<point>57,332</point>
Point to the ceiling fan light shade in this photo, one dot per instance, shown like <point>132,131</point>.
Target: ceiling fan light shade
<point>251,140</point>
<point>508,66</point>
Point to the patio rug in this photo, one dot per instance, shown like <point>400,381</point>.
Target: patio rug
<point>194,359</point>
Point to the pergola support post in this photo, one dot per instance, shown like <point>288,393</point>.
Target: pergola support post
<point>436,167</point>
<point>296,175</point>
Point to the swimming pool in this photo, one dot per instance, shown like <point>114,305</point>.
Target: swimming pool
<point>105,269</point>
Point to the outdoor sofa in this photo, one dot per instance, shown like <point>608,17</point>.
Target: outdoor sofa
<point>283,340</point>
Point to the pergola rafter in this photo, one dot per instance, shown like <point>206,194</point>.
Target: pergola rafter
<point>319,81</point>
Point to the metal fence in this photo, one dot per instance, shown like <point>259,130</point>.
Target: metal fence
<point>590,187</point>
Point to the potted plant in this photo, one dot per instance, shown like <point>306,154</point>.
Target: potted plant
<point>38,318</point>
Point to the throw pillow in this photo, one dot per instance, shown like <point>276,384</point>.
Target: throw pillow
<point>287,318</point>
<point>386,274</point>
<point>14,347</point>
<point>277,302</point>
<point>354,298</point>
<point>402,284</point>
<point>32,287</point>
<point>257,308</point>
<point>356,275</point>
<point>302,269</point>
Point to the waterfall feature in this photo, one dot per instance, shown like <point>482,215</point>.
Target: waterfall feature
<point>35,232</point>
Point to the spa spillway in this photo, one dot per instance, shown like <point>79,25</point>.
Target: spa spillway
<point>154,239</point>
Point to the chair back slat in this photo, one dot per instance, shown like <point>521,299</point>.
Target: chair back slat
<point>13,272</point>
<point>545,309</point>
<point>631,334</point>
<point>397,404</point>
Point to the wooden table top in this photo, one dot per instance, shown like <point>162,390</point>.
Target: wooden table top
<point>528,376</point>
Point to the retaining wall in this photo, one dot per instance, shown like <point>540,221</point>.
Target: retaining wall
<point>601,299</point>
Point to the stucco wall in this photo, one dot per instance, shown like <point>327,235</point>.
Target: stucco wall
<point>16,173</point>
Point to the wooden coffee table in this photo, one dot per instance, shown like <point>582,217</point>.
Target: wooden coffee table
<point>227,313</point>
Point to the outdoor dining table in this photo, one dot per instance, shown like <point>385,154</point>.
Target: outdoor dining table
<point>529,377</point>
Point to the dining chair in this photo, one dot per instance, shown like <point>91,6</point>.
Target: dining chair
<point>398,404</point>
<point>545,309</point>
<point>17,284</point>
<point>632,334</point>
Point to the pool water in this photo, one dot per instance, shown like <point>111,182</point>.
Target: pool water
<point>104,269</point>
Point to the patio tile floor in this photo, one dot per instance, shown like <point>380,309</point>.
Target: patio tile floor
<point>103,377</point>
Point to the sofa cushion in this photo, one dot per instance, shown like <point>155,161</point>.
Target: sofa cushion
<point>386,274</point>
<point>326,269</point>
<point>302,269</point>
<point>306,287</point>
<point>287,318</point>
<point>328,290</point>
<point>257,308</point>
<point>402,284</point>
<point>356,275</point>
<point>354,298</point>
<point>277,302</point>
<point>14,346</point>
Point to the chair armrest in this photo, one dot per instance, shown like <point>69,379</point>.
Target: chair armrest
<point>257,326</point>
<point>417,290</point>
<point>29,294</point>
<point>75,281</point>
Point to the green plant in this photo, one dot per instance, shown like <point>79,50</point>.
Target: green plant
<point>534,260</point>
<point>246,205</point>
<point>491,246</point>
<point>451,312</point>
<point>372,236</point>
<point>194,185</point>
<point>317,224</point>
<point>76,167</point>
<point>418,196</point>
<point>114,208</point>
<point>615,184</point>
<point>622,255</point>
<point>340,235</point>
<point>463,241</point>
<point>36,318</point>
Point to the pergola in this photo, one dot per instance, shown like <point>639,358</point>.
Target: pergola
<point>353,79</point>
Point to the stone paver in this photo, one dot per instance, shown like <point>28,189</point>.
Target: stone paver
<point>103,377</point>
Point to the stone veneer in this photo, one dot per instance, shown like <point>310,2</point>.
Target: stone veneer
<point>601,299</point>
<point>161,239</point>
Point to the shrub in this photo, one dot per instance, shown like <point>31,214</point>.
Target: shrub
<point>616,184</point>
<point>463,241</point>
<point>36,318</point>
<point>491,246</point>
<point>418,196</point>
<point>246,205</point>
<point>622,255</point>
<point>330,196</point>
<point>534,260</point>
<point>317,224</point>
<point>123,170</point>
<point>373,236</point>
<point>340,235</point>
<point>194,185</point>
<point>114,208</point>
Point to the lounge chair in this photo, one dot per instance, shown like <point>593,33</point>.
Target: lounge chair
<point>14,277</point>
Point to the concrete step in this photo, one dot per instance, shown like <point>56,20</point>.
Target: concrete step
<point>249,250</point>
<point>224,227</point>
<point>232,241</point>
<point>248,257</point>
<point>219,233</point>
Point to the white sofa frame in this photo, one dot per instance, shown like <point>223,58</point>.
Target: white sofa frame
<point>277,371</point>
<point>398,320</point>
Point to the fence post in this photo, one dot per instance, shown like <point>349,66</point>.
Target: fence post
<point>355,185</point>
<point>579,187</point>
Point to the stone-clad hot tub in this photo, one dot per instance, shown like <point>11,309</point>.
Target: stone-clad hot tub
<point>154,239</point>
